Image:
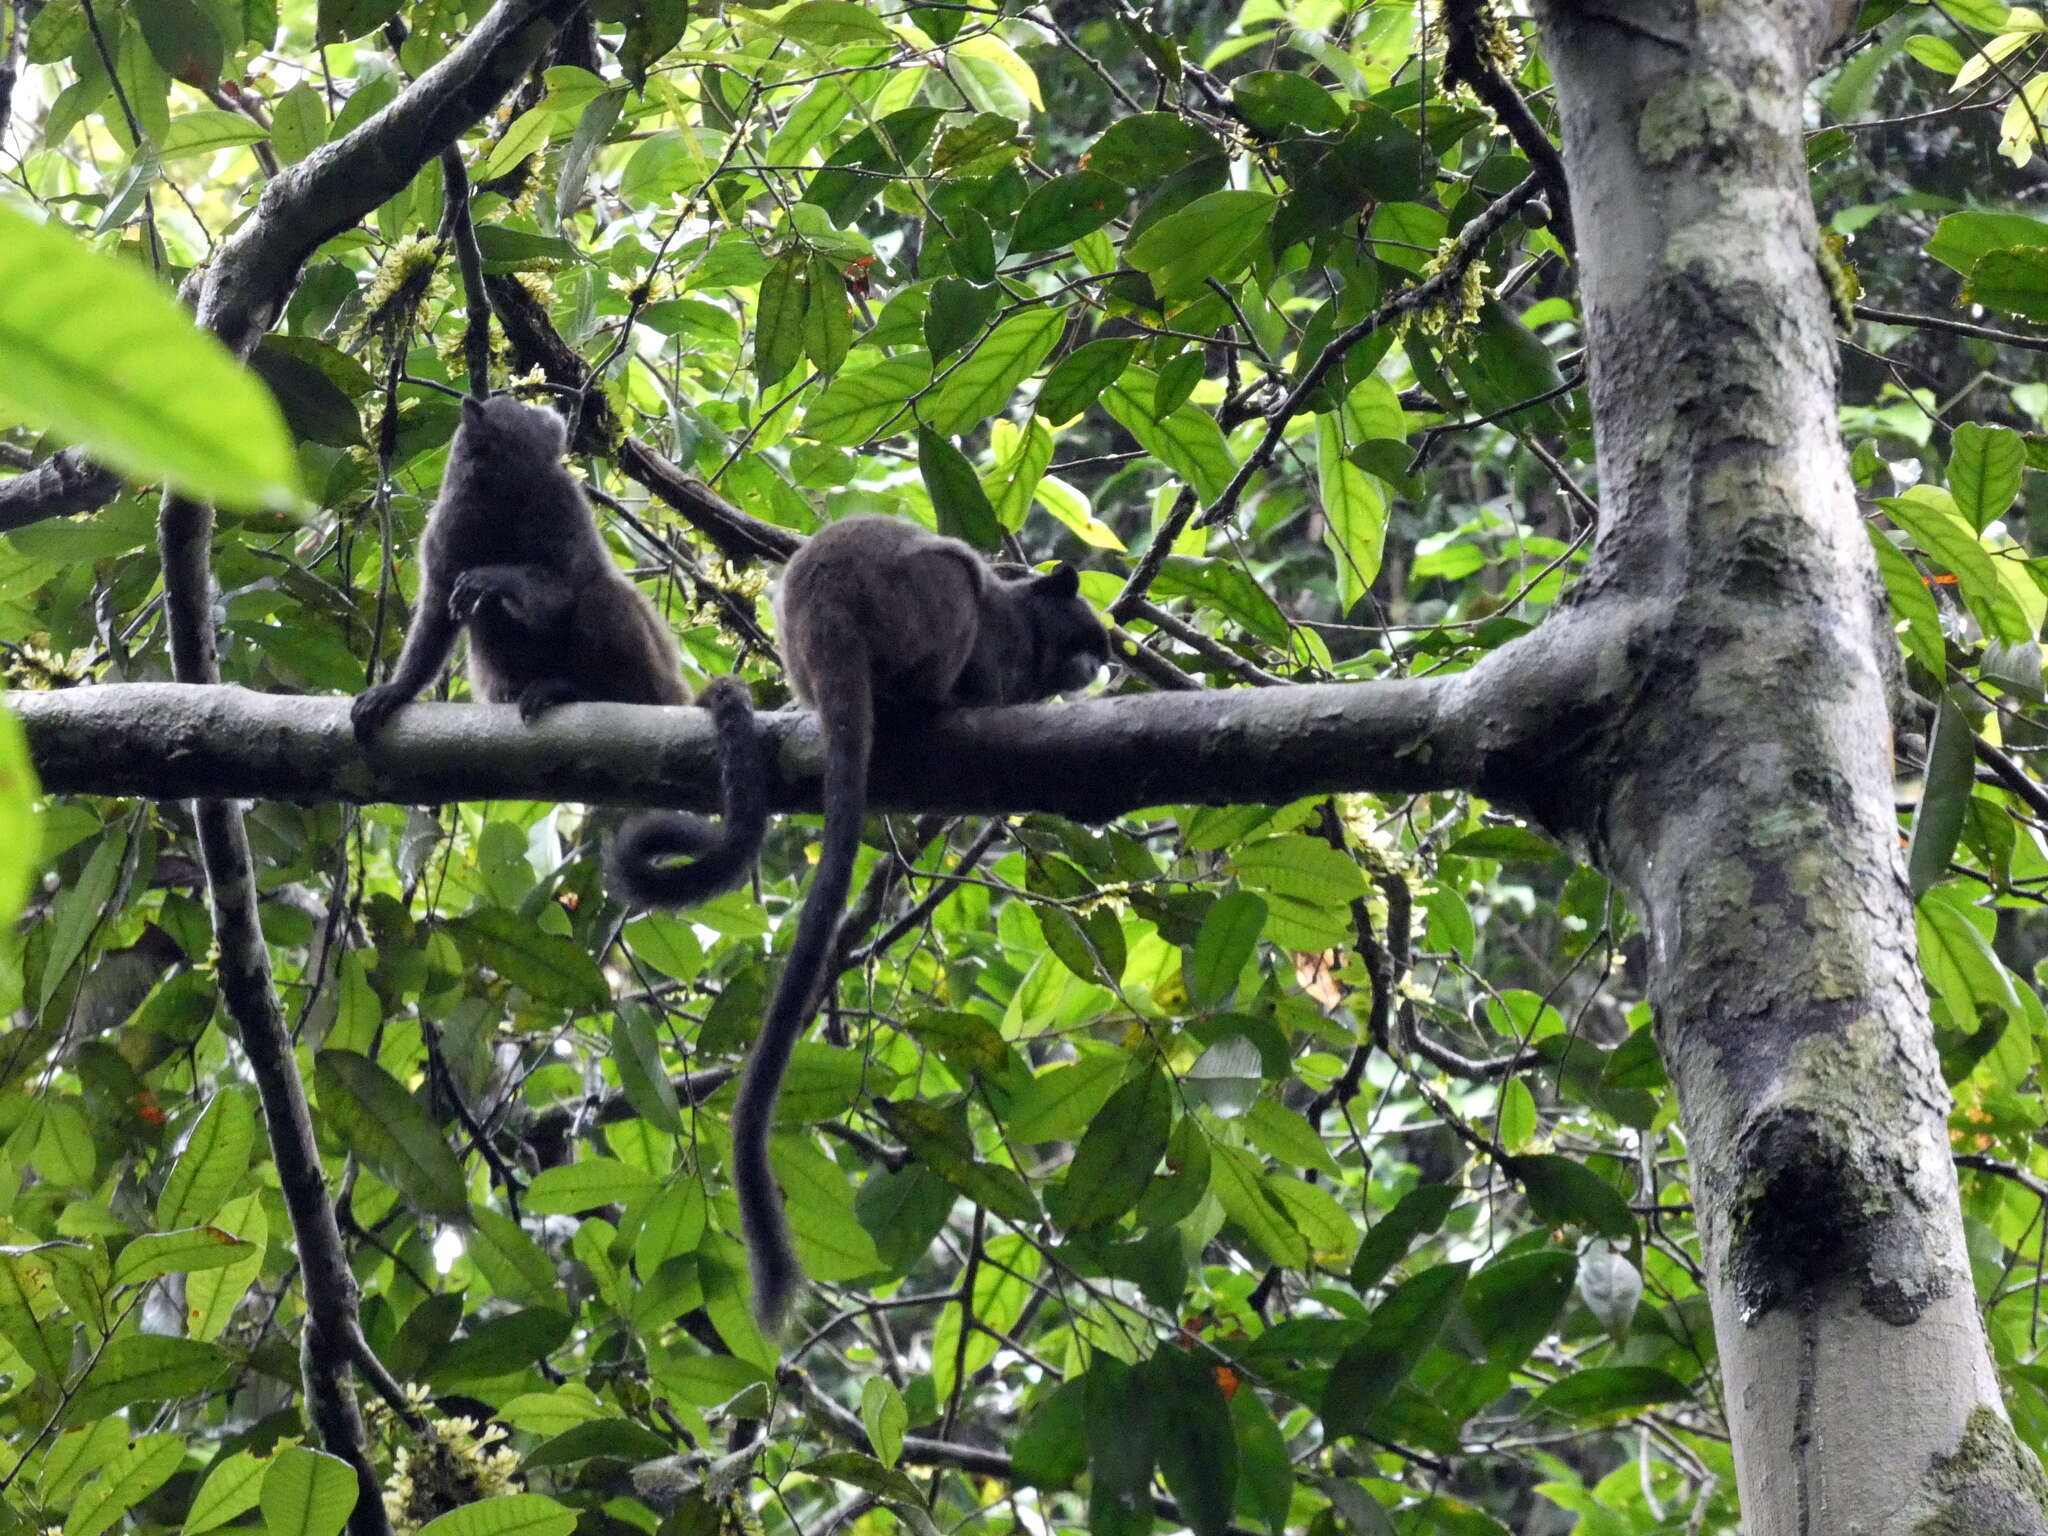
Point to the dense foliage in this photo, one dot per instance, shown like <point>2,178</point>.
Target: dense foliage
<point>1310,1164</point>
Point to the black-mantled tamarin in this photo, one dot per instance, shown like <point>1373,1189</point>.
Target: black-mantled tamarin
<point>876,619</point>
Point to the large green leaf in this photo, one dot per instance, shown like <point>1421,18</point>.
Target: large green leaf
<point>511,1514</point>
<point>307,1493</point>
<point>213,1162</point>
<point>145,1368</point>
<point>385,1126</point>
<point>94,350</point>
<point>982,383</point>
<point>551,968</point>
<point>124,1483</point>
<point>1117,1157</point>
<point>1404,1326</point>
<point>1194,1440</point>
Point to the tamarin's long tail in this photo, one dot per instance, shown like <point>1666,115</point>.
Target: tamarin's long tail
<point>847,717</point>
<point>638,864</point>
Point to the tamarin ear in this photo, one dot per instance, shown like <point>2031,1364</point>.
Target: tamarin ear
<point>1061,581</point>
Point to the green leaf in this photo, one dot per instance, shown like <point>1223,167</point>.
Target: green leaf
<point>885,1418</point>
<point>858,1471</point>
<point>828,318</point>
<point>230,1490</point>
<point>1051,1451</point>
<point>1228,588</point>
<point>1223,947</point>
<point>528,135</point>
<point>1962,968</point>
<point>1404,1327</point>
<point>1118,1156</point>
<point>620,1438</point>
<point>1188,442</point>
<point>185,41</point>
<point>1276,100</point>
<point>1240,1186</point>
<point>205,131</point>
<point>179,1252</point>
<point>509,1514</point>
<point>307,1493</point>
<point>1928,516</point>
<point>1984,468</point>
<point>1514,1302</point>
<point>124,1483</point>
<point>653,27</point>
<point>1079,378</point>
<point>316,407</point>
<point>146,1368</point>
<point>1416,1214</point>
<point>1283,1134</point>
<point>885,149</point>
<point>340,20</point>
<point>21,822</point>
<point>1961,240</point>
<point>211,1296</point>
<point>215,1157</point>
<point>1506,364</point>
<point>855,406</point>
<point>1120,1419</point>
<point>956,315</point>
<point>500,1345</point>
<point>831,22</point>
<point>1142,151</point>
<point>550,967</point>
<point>1210,238</point>
<point>779,322</point>
<point>1063,1099</point>
<point>385,1126</point>
<point>93,350</point>
<point>2014,280</point>
<point>27,1283</point>
<point>983,383</point>
<point>1945,800</point>
<point>1308,886</point>
<point>962,506</point>
<point>1354,511</point>
<point>1265,1470</point>
<point>1564,1191</point>
<point>829,1238</point>
<point>637,1055</point>
<point>594,1181</point>
<point>298,123</point>
<point>1194,1442</point>
<point>510,1259</point>
<point>1601,1390</point>
<point>1910,602</point>
<point>1062,210</point>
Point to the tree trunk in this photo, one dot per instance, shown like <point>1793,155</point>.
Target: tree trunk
<point>1743,792</point>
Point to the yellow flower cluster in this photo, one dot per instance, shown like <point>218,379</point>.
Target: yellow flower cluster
<point>454,1464</point>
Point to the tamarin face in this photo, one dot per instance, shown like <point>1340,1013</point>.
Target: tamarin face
<point>1073,647</point>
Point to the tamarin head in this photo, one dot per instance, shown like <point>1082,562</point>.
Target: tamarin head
<point>1072,646</point>
<point>513,432</point>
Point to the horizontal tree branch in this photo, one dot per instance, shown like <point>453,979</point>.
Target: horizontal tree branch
<point>1090,759</point>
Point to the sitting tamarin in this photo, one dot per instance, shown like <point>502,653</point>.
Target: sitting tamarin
<point>874,617</point>
<point>513,554</point>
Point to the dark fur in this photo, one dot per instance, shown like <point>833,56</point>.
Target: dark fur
<point>512,553</point>
<point>722,856</point>
<point>877,615</point>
